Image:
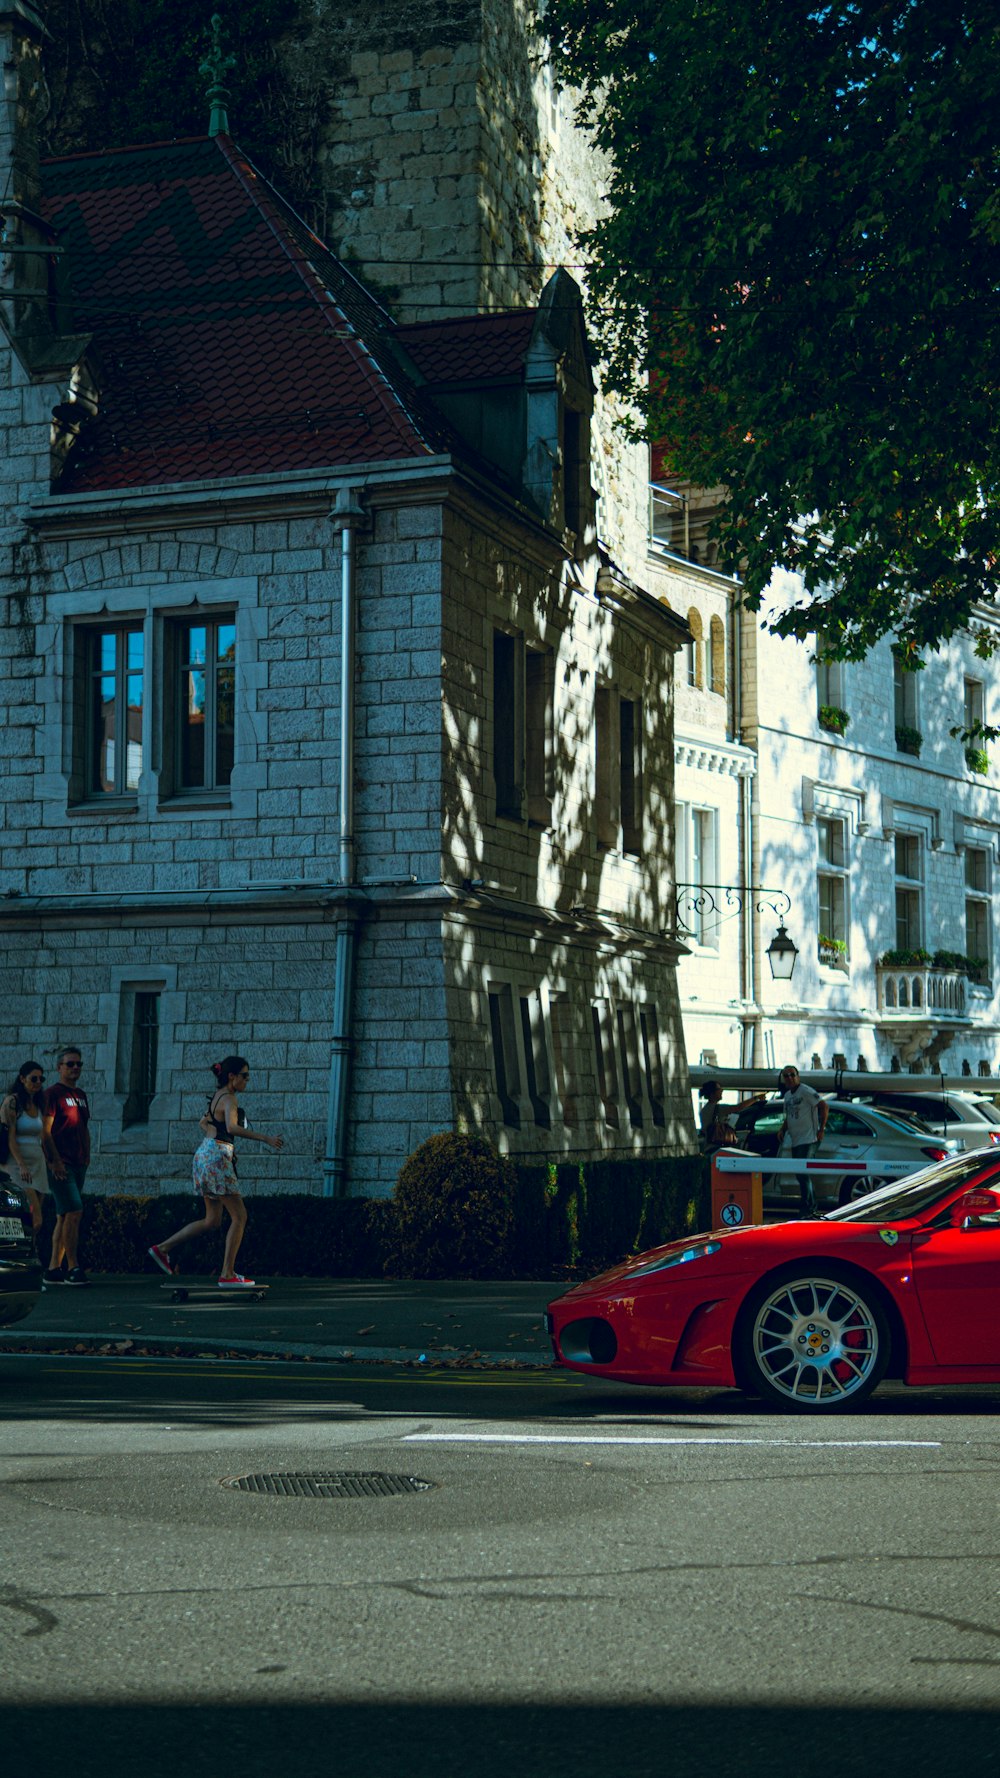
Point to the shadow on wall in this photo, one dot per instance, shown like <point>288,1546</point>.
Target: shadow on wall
<point>556,864</point>
<point>444,1740</point>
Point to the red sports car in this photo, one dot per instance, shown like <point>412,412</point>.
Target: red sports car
<point>809,1315</point>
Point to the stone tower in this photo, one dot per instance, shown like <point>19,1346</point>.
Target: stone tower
<point>453,169</point>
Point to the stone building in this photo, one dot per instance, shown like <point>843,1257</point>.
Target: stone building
<point>884,829</point>
<point>330,731</point>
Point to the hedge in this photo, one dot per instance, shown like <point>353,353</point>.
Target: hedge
<point>570,1219</point>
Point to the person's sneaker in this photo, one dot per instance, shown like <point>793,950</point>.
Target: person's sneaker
<point>236,1282</point>
<point>159,1258</point>
<point>77,1276</point>
<point>53,1277</point>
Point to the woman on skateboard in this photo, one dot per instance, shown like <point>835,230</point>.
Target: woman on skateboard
<point>215,1173</point>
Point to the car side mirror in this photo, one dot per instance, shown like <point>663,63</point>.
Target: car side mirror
<point>976,1209</point>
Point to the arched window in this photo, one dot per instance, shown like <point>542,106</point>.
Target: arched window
<point>693,649</point>
<point>716,656</point>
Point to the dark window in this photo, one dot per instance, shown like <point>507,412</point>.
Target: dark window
<point>507,746</point>
<point>506,1073</point>
<point>630,772</point>
<point>142,1069</point>
<point>536,1062</point>
<point>206,703</point>
<point>115,693</point>
<point>538,735</point>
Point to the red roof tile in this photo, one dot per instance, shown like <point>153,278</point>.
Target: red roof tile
<point>230,340</point>
<point>472,349</point>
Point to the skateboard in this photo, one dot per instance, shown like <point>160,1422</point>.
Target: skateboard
<point>180,1293</point>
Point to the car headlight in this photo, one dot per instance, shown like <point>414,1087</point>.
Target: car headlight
<point>702,1251</point>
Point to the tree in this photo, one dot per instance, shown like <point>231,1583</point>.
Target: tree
<point>796,284</point>
<point>122,72</point>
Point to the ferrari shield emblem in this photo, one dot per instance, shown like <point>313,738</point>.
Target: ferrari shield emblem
<point>889,1236</point>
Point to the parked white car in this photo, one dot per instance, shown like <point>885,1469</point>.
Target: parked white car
<point>853,1133</point>
<point>971,1120</point>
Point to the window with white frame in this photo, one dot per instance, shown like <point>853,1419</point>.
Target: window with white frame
<point>830,682</point>
<point>909,891</point>
<point>973,704</point>
<point>696,843</point>
<point>832,883</point>
<point>905,704</point>
<point>978,949</point>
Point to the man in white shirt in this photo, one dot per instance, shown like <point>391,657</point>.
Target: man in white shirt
<point>806,1112</point>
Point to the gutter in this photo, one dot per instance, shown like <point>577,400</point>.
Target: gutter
<point>347,515</point>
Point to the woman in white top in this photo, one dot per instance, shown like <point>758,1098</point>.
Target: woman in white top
<point>30,1145</point>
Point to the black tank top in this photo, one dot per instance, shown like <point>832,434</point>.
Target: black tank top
<point>221,1131</point>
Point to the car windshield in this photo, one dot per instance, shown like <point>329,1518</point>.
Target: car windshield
<point>986,1109</point>
<point>917,1192</point>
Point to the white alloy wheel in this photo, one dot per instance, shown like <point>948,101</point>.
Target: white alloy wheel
<point>814,1343</point>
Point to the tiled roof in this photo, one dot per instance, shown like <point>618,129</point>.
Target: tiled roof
<point>472,349</point>
<point>229,339</point>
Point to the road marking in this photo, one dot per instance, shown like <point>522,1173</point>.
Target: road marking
<point>546,1438</point>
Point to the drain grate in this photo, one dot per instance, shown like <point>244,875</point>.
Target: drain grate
<point>328,1484</point>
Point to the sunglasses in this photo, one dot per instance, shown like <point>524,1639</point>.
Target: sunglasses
<point>34,1080</point>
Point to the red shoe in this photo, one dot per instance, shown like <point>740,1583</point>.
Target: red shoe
<point>236,1282</point>
<point>159,1258</point>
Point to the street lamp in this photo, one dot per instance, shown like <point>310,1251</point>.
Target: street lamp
<point>781,954</point>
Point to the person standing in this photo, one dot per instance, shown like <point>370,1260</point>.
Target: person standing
<point>806,1112</point>
<point>67,1123</point>
<point>23,1111</point>
<point>715,1128</point>
<point>215,1174</point>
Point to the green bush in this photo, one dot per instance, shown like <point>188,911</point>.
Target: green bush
<point>909,740</point>
<point>293,1235</point>
<point>978,760</point>
<point>454,1203</point>
<point>542,1220</point>
<point>833,719</point>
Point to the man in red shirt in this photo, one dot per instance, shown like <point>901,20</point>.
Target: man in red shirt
<point>67,1120</point>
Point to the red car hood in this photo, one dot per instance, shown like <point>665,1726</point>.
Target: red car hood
<point>621,1273</point>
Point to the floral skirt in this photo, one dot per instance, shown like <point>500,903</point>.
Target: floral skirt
<point>214,1168</point>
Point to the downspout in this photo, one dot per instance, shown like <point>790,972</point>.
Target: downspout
<point>346,516</point>
<point>752,984</point>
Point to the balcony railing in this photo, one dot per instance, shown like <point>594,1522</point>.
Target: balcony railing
<point>912,991</point>
<point>679,522</point>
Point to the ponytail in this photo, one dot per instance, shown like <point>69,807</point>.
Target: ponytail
<point>229,1065</point>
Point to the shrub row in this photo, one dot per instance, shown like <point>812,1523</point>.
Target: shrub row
<point>541,1221</point>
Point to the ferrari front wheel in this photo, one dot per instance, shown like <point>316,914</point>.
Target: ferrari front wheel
<point>812,1342</point>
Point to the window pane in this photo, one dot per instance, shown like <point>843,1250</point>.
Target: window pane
<point>197,645</point>
<point>975,868</point>
<point>225,642</point>
<point>225,723</point>
<point>103,733</point>
<point>107,651</point>
<point>133,751</point>
<point>134,641</point>
<point>192,729</point>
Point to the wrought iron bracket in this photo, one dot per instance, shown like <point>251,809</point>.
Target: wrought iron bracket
<point>701,904</point>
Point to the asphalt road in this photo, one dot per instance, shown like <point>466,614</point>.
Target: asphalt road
<point>597,1580</point>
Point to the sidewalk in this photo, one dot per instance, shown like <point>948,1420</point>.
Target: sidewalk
<point>341,1319</point>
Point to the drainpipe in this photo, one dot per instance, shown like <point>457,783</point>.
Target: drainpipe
<point>347,515</point>
<point>752,983</point>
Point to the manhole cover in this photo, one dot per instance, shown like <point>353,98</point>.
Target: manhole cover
<point>326,1484</point>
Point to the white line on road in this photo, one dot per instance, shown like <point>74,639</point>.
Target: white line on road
<point>545,1438</point>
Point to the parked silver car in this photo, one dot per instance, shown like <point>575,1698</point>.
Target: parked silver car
<point>853,1133</point>
<point>973,1121</point>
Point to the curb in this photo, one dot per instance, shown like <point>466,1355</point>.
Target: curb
<point>108,1346</point>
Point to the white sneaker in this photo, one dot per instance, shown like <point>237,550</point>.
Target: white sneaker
<point>236,1282</point>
